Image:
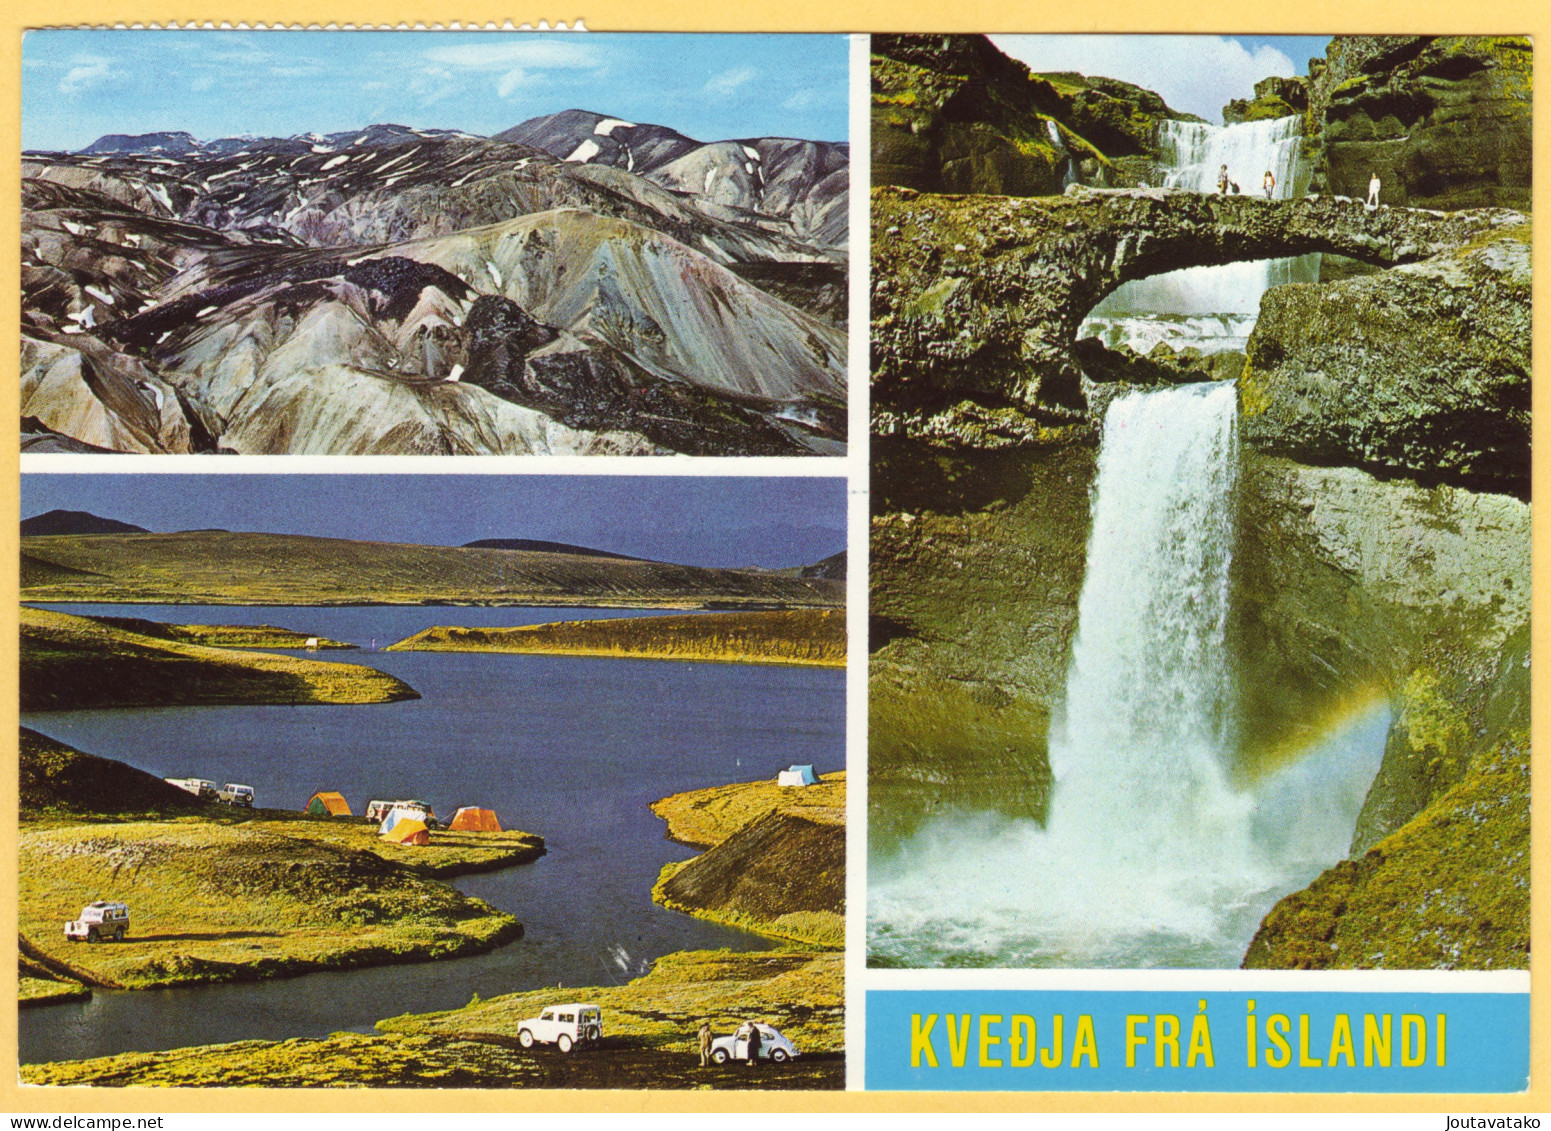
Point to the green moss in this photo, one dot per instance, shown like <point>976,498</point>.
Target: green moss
<point>1435,725</point>
<point>1449,890</point>
<point>1254,391</point>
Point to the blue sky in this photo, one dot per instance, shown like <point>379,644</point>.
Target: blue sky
<point>79,85</point>
<point>1195,73</point>
<point>720,521</point>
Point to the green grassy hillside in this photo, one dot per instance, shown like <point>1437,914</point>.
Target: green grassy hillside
<point>267,636</point>
<point>649,1038</point>
<point>807,637</point>
<point>776,861</point>
<point>706,817</point>
<point>220,567</point>
<point>71,662</point>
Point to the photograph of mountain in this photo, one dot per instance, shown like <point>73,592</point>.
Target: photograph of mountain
<point>379,778</point>
<point>417,243</point>
<point>1200,546</point>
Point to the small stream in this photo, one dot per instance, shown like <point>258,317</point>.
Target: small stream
<point>571,748</point>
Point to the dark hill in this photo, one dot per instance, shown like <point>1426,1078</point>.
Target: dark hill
<point>76,522</point>
<point>60,778</point>
<point>166,144</point>
<point>636,147</point>
<point>833,567</point>
<point>783,874</point>
<point>540,546</point>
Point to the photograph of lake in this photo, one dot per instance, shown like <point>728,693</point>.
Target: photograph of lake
<point>618,667</point>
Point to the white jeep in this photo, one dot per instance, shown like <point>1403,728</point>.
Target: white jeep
<point>104,919</point>
<point>563,1025</point>
<point>234,794</point>
<point>202,788</point>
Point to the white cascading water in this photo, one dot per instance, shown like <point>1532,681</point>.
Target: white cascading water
<point>1196,153</point>
<point>1069,172</point>
<point>1151,855</point>
<point>1210,308</point>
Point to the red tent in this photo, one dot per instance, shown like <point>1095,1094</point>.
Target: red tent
<point>471,819</point>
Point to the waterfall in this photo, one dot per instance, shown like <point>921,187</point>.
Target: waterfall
<point>1196,152</point>
<point>1151,855</point>
<point>1150,690</point>
<point>1210,308</point>
<point>1069,175</point>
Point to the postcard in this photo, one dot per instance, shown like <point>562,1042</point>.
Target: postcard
<point>1113,448</point>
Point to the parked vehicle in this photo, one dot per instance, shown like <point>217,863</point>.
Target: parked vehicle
<point>202,788</point>
<point>564,1025</point>
<point>772,1046</point>
<point>104,919</point>
<point>419,810</point>
<point>233,794</point>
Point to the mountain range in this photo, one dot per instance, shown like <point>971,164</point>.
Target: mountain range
<point>577,284</point>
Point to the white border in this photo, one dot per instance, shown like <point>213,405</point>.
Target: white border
<point>857,564</point>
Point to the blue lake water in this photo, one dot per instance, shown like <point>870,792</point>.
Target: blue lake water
<point>571,748</point>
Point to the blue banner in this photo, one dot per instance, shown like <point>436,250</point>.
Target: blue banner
<point>1137,1041</point>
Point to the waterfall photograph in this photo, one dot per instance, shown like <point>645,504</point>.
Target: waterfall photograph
<point>1200,534</point>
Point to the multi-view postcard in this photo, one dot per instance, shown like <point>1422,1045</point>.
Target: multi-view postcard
<point>1191,729</point>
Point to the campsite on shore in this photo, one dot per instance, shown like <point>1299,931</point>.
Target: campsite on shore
<point>313,870</point>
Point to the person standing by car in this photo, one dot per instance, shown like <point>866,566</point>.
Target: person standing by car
<point>753,1046</point>
<point>705,1043</point>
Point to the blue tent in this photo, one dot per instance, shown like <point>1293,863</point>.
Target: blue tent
<point>805,773</point>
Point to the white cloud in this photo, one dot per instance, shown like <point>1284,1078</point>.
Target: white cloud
<point>805,99</point>
<point>1194,73</point>
<point>88,71</point>
<point>729,81</point>
<point>511,80</point>
<point>506,54</point>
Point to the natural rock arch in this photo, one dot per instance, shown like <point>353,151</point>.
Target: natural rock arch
<point>981,297</point>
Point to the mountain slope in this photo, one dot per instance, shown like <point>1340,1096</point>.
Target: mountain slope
<point>217,567</point>
<point>280,295</point>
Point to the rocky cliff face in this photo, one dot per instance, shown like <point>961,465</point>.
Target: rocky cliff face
<point>977,300</point>
<point>1444,121</point>
<point>426,291</point>
<point>1422,371</point>
<point>951,113</point>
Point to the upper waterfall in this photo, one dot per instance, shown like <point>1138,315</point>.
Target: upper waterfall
<point>1211,308</point>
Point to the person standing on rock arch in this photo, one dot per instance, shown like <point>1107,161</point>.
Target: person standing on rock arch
<point>1373,190</point>
<point>1269,184</point>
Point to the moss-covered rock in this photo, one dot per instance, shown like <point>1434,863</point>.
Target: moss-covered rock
<point>1275,97</point>
<point>980,298</point>
<point>1444,121</point>
<point>951,113</point>
<point>976,564</point>
<point>1421,371</point>
<point>1448,890</point>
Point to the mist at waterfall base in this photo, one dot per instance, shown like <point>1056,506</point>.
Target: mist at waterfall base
<point>1153,853</point>
<point>1212,309</point>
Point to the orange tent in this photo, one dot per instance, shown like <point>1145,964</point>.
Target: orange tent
<point>408,831</point>
<point>471,819</point>
<point>328,805</point>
